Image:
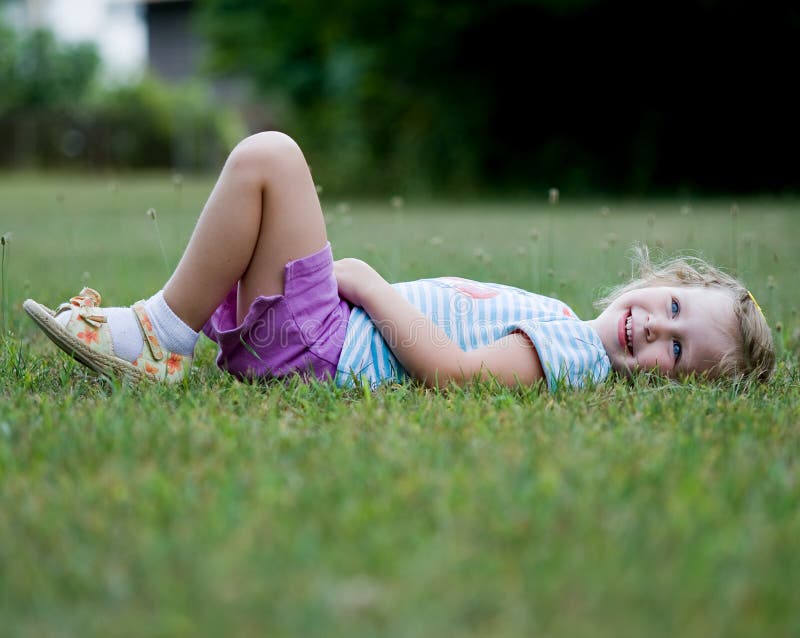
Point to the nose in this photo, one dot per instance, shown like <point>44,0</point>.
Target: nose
<point>652,329</point>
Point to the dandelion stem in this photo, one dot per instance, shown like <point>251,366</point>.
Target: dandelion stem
<point>163,250</point>
<point>151,213</point>
<point>552,197</point>
<point>3,301</point>
<point>734,239</point>
<point>550,242</point>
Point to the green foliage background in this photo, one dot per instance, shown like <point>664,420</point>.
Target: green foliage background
<point>514,96</point>
<point>55,113</point>
<point>521,95</point>
<point>373,89</point>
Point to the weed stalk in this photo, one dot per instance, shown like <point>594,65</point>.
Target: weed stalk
<point>3,287</point>
<point>553,197</point>
<point>177,183</point>
<point>734,239</point>
<point>151,213</point>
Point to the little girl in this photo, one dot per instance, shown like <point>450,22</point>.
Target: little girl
<point>258,277</point>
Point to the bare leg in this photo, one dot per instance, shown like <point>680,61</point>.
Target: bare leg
<point>263,212</point>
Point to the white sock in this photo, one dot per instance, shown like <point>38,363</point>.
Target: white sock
<point>126,335</point>
<point>171,331</point>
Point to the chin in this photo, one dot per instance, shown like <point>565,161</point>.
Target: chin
<point>622,368</point>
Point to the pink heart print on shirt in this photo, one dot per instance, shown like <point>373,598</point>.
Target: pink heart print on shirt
<point>471,288</point>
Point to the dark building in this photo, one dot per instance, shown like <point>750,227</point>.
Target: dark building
<point>175,51</point>
<point>173,48</point>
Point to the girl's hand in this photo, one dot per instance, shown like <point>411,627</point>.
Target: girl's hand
<point>355,278</point>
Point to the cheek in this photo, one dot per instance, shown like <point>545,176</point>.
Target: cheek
<point>654,357</point>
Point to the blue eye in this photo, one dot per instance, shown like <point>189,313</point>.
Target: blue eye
<point>676,349</point>
<point>676,307</point>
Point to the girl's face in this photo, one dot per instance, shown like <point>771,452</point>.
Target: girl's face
<point>673,330</point>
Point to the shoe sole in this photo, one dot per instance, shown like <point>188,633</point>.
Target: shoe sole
<point>106,365</point>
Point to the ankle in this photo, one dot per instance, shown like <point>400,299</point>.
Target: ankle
<point>126,336</point>
<point>173,333</point>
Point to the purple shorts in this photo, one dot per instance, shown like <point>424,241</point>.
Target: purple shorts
<point>300,331</point>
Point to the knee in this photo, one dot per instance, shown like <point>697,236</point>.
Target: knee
<point>266,150</point>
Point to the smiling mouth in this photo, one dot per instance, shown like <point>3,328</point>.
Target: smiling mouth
<point>625,332</point>
<point>629,333</point>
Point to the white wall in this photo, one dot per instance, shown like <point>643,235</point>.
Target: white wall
<point>115,26</point>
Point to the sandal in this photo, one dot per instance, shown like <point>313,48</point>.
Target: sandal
<point>86,337</point>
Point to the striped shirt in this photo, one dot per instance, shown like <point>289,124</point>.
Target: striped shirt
<point>473,315</point>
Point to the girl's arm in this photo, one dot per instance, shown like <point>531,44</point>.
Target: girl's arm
<point>422,347</point>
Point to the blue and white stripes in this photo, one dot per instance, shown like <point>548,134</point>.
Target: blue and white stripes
<point>475,314</point>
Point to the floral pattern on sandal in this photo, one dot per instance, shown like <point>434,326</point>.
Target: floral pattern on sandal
<point>86,336</point>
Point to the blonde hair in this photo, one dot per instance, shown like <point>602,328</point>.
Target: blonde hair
<point>754,354</point>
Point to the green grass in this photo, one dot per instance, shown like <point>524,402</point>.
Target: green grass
<point>220,508</point>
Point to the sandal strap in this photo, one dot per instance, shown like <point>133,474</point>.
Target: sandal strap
<point>150,337</point>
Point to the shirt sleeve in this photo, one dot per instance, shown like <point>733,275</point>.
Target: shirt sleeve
<point>570,352</point>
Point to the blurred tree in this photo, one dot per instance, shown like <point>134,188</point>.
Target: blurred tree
<point>54,112</point>
<point>38,71</point>
<point>387,84</point>
<point>41,81</point>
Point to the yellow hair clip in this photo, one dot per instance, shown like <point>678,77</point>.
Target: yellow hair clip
<point>755,303</point>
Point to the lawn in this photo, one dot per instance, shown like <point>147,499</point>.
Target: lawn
<point>221,508</point>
